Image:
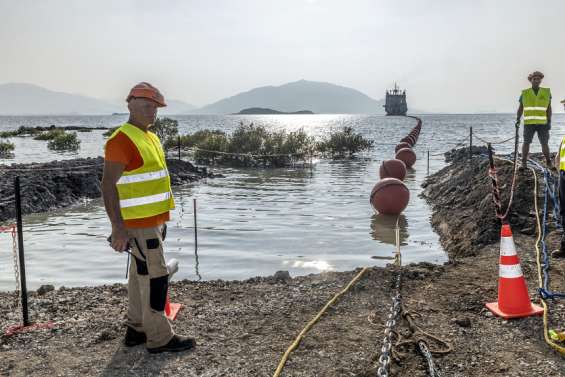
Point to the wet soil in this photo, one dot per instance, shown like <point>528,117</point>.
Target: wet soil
<point>243,327</point>
<point>57,184</point>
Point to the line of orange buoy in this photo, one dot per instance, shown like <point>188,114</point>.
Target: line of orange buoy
<point>390,195</point>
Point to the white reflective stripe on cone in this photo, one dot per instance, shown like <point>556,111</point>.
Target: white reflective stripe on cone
<point>535,117</point>
<point>144,200</point>
<point>510,271</point>
<point>142,177</point>
<point>535,108</point>
<point>507,247</point>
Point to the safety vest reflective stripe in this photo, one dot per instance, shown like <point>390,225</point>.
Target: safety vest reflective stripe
<point>536,105</point>
<point>510,271</point>
<point>125,203</point>
<point>535,108</point>
<point>562,155</point>
<point>143,177</point>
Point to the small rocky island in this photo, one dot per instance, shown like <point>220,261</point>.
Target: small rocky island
<point>265,111</point>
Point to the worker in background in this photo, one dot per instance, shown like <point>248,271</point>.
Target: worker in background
<point>535,105</point>
<point>560,165</point>
<point>137,195</point>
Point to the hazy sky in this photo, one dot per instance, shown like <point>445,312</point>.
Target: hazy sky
<point>451,55</point>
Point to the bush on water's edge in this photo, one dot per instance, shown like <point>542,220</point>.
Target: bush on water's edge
<point>64,142</point>
<point>7,149</point>
<point>21,131</point>
<point>49,135</point>
<point>251,145</point>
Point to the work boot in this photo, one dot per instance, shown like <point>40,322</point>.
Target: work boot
<point>134,338</point>
<point>176,344</point>
<point>523,168</point>
<point>550,165</point>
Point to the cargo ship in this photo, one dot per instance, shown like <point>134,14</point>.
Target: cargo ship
<point>395,102</point>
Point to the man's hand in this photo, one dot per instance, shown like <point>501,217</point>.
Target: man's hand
<point>120,239</point>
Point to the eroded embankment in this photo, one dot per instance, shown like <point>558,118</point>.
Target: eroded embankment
<point>463,209</point>
<point>58,184</point>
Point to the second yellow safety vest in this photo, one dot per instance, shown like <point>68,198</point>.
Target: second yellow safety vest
<point>145,191</point>
<point>562,155</point>
<point>535,106</point>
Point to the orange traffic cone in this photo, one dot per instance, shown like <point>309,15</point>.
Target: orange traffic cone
<point>513,298</point>
<point>171,310</point>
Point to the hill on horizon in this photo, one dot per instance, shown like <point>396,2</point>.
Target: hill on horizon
<point>319,97</point>
<point>30,99</point>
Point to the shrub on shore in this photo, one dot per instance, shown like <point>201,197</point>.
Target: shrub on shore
<point>344,143</point>
<point>64,142</point>
<point>21,131</point>
<point>49,135</point>
<point>7,149</point>
<point>167,129</point>
<point>250,145</point>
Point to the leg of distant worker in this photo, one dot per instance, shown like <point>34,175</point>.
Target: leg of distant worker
<point>561,252</point>
<point>525,152</point>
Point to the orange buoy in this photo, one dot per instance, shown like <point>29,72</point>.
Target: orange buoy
<point>408,140</point>
<point>392,169</point>
<point>390,196</point>
<point>407,156</point>
<point>401,145</point>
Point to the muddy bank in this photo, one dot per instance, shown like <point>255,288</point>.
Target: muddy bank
<point>463,209</point>
<point>57,184</point>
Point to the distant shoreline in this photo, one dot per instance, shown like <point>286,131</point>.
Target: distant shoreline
<point>267,111</point>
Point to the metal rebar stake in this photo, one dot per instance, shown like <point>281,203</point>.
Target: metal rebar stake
<point>23,286</point>
<point>195,225</point>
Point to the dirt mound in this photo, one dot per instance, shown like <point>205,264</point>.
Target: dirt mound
<point>58,184</point>
<point>463,209</point>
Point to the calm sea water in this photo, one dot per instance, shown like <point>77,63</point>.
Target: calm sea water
<point>254,221</point>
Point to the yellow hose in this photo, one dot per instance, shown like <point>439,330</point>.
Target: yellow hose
<point>294,345</point>
<point>546,336</point>
<point>314,320</point>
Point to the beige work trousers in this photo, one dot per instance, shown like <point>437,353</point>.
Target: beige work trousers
<point>147,286</point>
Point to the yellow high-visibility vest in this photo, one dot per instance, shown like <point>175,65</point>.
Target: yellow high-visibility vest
<point>562,155</point>
<point>535,106</point>
<point>145,191</point>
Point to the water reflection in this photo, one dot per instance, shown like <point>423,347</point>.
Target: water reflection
<point>382,228</point>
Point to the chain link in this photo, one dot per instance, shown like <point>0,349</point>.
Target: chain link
<point>384,359</point>
<point>16,269</point>
<point>424,350</point>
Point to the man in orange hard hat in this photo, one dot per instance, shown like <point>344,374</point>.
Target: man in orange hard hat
<point>137,195</point>
<point>535,105</point>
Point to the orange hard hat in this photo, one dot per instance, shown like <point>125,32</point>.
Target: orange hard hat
<point>146,90</point>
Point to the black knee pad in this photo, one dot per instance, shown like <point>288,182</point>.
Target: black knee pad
<point>158,292</point>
